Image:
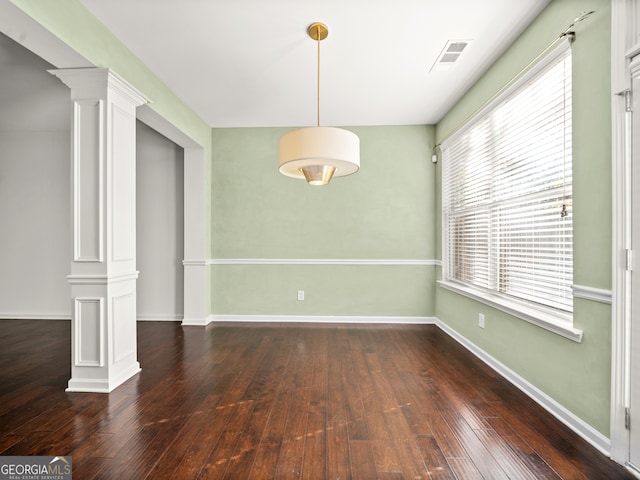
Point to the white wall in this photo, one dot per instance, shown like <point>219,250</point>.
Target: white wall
<point>35,202</point>
<point>35,251</point>
<point>160,220</point>
<point>34,225</point>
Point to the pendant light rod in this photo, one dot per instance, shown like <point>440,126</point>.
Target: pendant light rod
<point>318,41</point>
<point>318,32</point>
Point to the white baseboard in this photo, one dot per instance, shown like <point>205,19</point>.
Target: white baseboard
<point>196,321</point>
<point>586,431</point>
<point>354,319</point>
<point>35,316</point>
<point>67,316</point>
<point>633,471</point>
<point>152,317</point>
<point>102,385</point>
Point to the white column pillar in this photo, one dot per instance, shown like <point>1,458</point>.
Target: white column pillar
<point>196,311</point>
<point>196,269</point>
<point>103,270</point>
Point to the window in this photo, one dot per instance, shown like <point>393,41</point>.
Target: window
<point>507,197</point>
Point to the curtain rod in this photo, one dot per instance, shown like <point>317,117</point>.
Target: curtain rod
<point>567,33</point>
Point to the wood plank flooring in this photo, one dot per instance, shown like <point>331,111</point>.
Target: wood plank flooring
<point>283,401</point>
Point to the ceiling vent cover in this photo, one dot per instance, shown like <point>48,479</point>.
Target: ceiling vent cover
<point>450,54</point>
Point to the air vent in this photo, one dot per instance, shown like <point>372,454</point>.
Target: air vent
<point>450,54</point>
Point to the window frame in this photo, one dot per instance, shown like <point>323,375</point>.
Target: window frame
<point>549,318</point>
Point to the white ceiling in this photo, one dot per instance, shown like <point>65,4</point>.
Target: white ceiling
<point>250,63</point>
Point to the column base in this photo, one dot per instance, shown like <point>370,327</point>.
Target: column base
<point>102,385</point>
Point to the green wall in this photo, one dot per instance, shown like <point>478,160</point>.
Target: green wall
<point>330,290</point>
<point>384,212</point>
<point>576,375</point>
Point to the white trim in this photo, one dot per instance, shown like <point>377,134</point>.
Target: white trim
<point>147,115</point>
<point>583,429</point>
<point>141,317</point>
<point>97,385</point>
<point>624,21</point>
<point>159,317</point>
<point>590,293</point>
<point>196,321</point>
<point>633,51</point>
<point>102,385</point>
<point>99,79</point>
<point>633,471</point>
<point>311,261</point>
<point>348,319</point>
<point>196,263</point>
<point>122,201</point>
<point>79,339</point>
<point>34,316</point>
<point>556,323</point>
<point>87,113</point>
<point>93,279</point>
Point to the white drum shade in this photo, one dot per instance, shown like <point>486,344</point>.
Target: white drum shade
<point>319,147</point>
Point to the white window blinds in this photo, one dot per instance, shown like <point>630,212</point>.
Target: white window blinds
<point>507,200</point>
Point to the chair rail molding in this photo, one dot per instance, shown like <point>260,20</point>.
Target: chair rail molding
<point>318,261</point>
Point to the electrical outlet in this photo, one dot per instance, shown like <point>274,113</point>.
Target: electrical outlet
<point>300,294</point>
<point>481,320</point>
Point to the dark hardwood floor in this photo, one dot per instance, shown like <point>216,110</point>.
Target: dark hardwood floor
<point>283,401</point>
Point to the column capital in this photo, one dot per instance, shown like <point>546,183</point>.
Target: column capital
<point>96,82</point>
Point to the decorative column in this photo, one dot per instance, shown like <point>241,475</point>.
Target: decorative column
<point>196,309</point>
<point>103,270</point>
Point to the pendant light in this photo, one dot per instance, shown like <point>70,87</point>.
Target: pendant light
<point>319,153</point>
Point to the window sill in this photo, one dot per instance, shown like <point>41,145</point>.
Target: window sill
<point>558,323</point>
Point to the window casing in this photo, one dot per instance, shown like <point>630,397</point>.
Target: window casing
<point>507,197</point>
